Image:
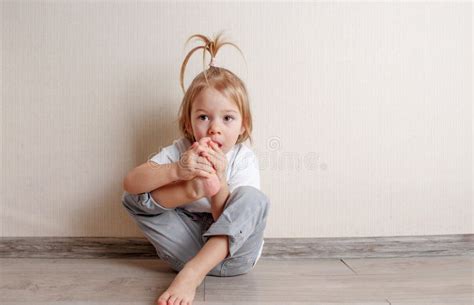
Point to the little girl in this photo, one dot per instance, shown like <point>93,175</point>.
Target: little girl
<point>198,201</point>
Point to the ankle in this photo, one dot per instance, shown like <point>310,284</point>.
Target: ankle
<point>195,188</point>
<point>194,271</point>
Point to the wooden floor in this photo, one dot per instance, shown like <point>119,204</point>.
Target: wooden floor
<point>416,280</point>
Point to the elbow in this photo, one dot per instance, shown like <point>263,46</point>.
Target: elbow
<point>126,185</point>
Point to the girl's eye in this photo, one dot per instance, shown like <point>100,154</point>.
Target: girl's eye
<point>226,118</point>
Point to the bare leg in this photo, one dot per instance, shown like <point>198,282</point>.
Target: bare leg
<point>183,287</point>
<point>174,194</point>
<point>183,192</point>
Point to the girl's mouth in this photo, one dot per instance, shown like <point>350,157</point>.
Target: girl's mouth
<point>218,144</point>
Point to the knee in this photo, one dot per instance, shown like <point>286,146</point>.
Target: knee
<point>134,203</point>
<point>236,266</point>
<point>128,198</point>
<point>252,196</point>
<point>130,201</point>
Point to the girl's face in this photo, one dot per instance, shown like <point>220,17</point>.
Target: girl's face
<point>215,116</point>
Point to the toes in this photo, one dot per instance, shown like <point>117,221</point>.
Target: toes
<point>172,299</point>
<point>161,302</point>
<point>163,298</point>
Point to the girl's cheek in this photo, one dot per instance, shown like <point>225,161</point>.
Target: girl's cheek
<point>200,124</point>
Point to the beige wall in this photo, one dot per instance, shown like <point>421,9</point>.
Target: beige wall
<point>373,100</point>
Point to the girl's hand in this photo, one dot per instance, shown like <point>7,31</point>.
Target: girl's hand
<point>217,158</point>
<point>192,165</point>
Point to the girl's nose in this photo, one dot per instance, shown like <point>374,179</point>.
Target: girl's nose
<point>214,129</point>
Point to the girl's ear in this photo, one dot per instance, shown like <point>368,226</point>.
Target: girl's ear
<point>188,128</point>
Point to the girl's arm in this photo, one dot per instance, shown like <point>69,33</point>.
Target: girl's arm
<point>163,183</point>
<point>150,176</point>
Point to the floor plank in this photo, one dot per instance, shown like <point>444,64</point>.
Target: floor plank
<point>270,281</point>
<point>435,301</point>
<point>195,303</point>
<point>105,281</point>
<point>327,280</point>
<point>401,265</point>
<point>372,281</point>
<point>423,280</point>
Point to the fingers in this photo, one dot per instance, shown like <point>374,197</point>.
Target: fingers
<point>209,150</point>
<point>215,146</point>
<point>202,160</point>
<point>204,163</point>
<point>202,142</point>
<point>203,174</point>
<point>200,148</point>
<point>195,161</point>
<point>205,140</point>
<point>210,157</point>
<point>207,161</point>
<point>214,155</point>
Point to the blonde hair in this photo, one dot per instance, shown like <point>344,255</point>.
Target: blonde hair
<point>221,79</point>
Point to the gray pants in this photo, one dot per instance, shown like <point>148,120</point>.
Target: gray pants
<point>178,234</point>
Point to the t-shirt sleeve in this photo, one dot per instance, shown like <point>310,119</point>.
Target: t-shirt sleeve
<point>245,172</point>
<point>171,153</point>
<point>166,155</point>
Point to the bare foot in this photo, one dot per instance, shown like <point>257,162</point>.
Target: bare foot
<point>207,187</point>
<point>183,288</point>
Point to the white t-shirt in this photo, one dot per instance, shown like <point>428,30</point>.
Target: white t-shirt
<point>242,168</point>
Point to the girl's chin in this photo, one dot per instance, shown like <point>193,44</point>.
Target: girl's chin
<point>225,150</point>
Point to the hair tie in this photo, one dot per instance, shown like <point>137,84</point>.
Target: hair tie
<point>213,62</point>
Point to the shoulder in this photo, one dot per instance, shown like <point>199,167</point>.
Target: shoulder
<point>172,153</point>
<point>244,150</point>
<point>181,145</point>
<point>244,156</point>
<point>244,168</point>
